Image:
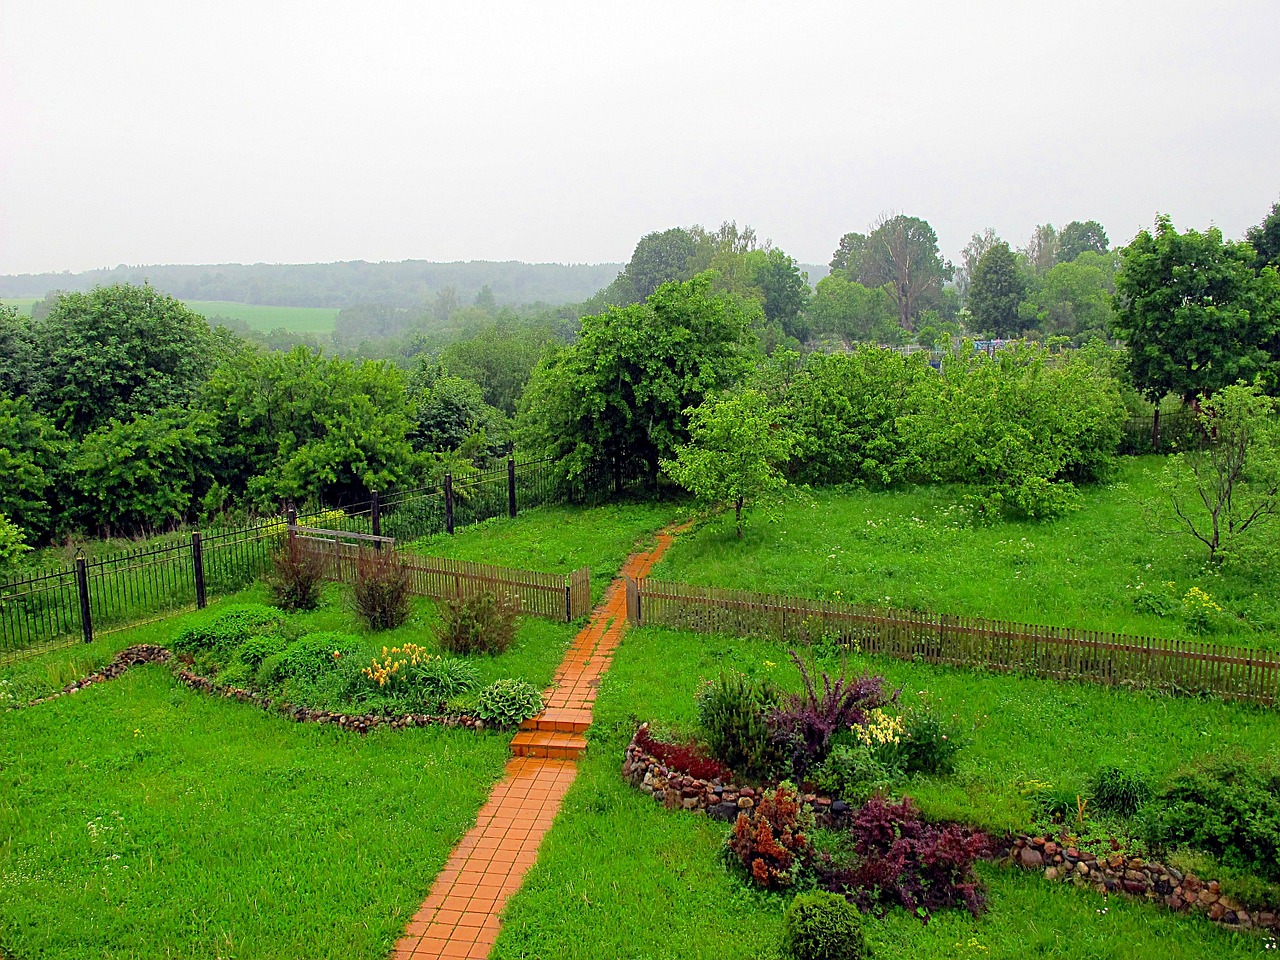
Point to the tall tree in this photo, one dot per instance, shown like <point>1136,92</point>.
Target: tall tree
<point>903,251</point>
<point>18,352</point>
<point>657,259</point>
<point>785,289</point>
<point>618,395</point>
<point>848,255</point>
<point>32,456</point>
<point>1074,298</point>
<point>1077,238</point>
<point>118,351</point>
<point>997,291</point>
<point>1194,313</point>
<point>1265,238</point>
<point>848,310</point>
<point>1042,250</point>
<point>978,244</point>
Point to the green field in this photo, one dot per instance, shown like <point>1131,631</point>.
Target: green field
<point>310,320</point>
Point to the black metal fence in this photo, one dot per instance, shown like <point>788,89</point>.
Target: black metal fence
<point>1176,431</point>
<point>60,607</point>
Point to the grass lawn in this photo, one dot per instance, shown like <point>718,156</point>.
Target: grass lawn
<point>559,539</point>
<point>143,820</point>
<point>621,877</point>
<point>1101,567</point>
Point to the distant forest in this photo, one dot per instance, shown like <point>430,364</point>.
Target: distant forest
<point>404,284</point>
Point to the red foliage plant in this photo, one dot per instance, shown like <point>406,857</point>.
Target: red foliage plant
<point>774,846</point>
<point>898,858</point>
<point>688,758</point>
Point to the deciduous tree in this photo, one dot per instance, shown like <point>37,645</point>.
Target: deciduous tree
<point>996,292</point>
<point>903,252</point>
<point>1077,238</point>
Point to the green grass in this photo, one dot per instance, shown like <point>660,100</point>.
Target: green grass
<point>619,876</point>
<point>265,318</point>
<point>143,820</point>
<point>919,548</point>
<point>258,316</point>
<point>559,539</point>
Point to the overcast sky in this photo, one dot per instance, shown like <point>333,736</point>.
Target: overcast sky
<point>180,132</point>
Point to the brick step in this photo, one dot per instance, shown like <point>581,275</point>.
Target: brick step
<point>549,744</point>
<point>560,720</point>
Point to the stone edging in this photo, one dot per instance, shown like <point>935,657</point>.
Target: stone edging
<point>361,723</point>
<point>1114,874</point>
<point>723,801</point>
<point>1137,878</point>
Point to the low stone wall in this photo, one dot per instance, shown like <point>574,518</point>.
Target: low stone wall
<point>1115,874</point>
<point>723,801</point>
<point>360,723</point>
<point>1143,879</point>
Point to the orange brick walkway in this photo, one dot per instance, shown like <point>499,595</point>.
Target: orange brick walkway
<point>460,916</point>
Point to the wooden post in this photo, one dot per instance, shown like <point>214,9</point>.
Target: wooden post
<point>448,503</point>
<point>375,518</point>
<point>511,487</point>
<point>568,602</point>
<point>197,563</point>
<point>291,521</point>
<point>82,587</point>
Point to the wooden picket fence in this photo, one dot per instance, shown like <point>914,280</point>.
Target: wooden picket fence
<point>1062,653</point>
<point>551,595</point>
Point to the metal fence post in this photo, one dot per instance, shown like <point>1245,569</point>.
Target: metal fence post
<point>375,518</point>
<point>82,587</point>
<point>568,603</point>
<point>511,487</point>
<point>448,503</point>
<point>197,563</point>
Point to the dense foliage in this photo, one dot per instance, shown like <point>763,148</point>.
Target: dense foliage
<point>484,622</point>
<point>822,926</point>
<point>773,845</point>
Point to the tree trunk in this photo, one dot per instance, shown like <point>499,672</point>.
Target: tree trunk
<point>737,513</point>
<point>1155,431</point>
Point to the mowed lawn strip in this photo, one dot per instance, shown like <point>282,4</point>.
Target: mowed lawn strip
<point>619,876</point>
<point>141,819</point>
<point>921,548</point>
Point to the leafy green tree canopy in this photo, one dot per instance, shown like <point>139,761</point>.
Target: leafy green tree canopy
<point>116,351</point>
<point>1265,238</point>
<point>903,251</point>
<point>32,457</point>
<point>848,255</point>
<point>1195,314</point>
<point>850,311</point>
<point>1077,238</point>
<point>785,289</point>
<point>996,291</point>
<point>13,545</point>
<point>618,395</point>
<point>738,446</point>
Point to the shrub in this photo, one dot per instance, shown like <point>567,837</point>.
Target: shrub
<point>295,577</point>
<point>308,658</point>
<point>804,723</point>
<point>418,679</point>
<point>1227,807</point>
<point>382,589</point>
<point>733,712</point>
<point>773,847</point>
<point>929,744</point>
<point>227,629</point>
<point>257,648</point>
<point>508,703</point>
<point>893,858</point>
<point>1057,803</point>
<point>689,758</point>
<point>1116,790</point>
<point>823,926</point>
<point>443,678</point>
<point>482,623</point>
<point>854,771</point>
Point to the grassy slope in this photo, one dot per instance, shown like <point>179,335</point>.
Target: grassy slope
<point>258,316</point>
<point>916,549</point>
<point>559,539</point>
<point>621,877</point>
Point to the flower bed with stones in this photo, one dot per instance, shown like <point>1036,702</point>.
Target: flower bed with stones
<point>361,723</point>
<point>716,798</point>
<point>1114,874</point>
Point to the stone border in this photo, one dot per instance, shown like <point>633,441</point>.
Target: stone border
<point>1114,874</point>
<point>717,799</point>
<point>361,723</point>
<point>1140,879</point>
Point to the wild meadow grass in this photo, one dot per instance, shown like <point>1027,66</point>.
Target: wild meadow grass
<point>619,876</point>
<point>1110,565</point>
<point>560,539</point>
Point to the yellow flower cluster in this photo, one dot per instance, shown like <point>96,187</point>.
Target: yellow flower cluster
<point>393,661</point>
<point>1197,598</point>
<point>880,730</point>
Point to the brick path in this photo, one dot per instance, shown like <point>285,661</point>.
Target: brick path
<point>460,916</point>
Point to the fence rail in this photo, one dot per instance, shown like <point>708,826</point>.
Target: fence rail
<point>52,608</point>
<point>1061,653</point>
<point>551,595</point>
